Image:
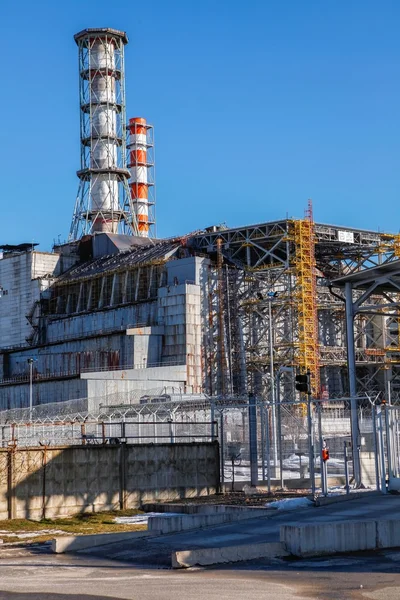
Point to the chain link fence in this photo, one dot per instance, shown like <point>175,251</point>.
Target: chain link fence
<point>257,441</point>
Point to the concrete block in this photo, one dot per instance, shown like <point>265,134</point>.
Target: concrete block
<point>74,543</point>
<point>388,533</point>
<point>329,538</point>
<point>227,554</point>
<point>394,484</point>
<point>240,512</point>
<point>169,523</point>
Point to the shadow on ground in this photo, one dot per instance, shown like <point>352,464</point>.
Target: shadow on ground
<point>381,561</point>
<point>50,596</point>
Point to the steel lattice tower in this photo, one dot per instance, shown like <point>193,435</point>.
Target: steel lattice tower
<point>103,202</point>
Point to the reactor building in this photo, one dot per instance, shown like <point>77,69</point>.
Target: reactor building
<point>115,313</point>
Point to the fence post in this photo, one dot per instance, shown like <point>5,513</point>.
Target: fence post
<point>310,446</point>
<point>279,430</point>
<point>253,440</point>
<point>324,483</point>
<point>155,428</point>
<point>139,428</point>
<point>212,417</point>
<point>83,433</point>
<point>376,453</point>
<point>388,444</point>
<point>44,464</point>
<point>346,468</point>
<point>222,447</point>
<point>381,450</point>
<point>262,428</point>
<point>268,449</point>
<point>10,483</point>
<point>122,476</point>
<point>396,437</point>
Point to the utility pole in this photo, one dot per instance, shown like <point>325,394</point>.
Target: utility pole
<point>271,296</point>
<point>30,363</point>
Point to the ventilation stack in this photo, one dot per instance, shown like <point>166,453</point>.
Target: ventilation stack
<point>141,165</point>
<point>103,203</point>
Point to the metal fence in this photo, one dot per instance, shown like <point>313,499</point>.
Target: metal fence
<point>101,432</point>
<point>258,441</point>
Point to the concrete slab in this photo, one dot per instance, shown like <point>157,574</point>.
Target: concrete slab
<point>208,509</point>
<point>329,538</point>
<point>229,554</point>
<point>388,533</point>
<point>207,517</point>
<point>74,543</point>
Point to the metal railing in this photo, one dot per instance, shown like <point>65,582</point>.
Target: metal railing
<point>144,431</point>
<point>143,365</point>
<point>24,377</point>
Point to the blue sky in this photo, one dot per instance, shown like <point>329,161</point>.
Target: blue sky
<point>257,106</point>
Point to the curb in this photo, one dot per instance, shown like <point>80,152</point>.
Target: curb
<point>226,554</point>
<point>75,543</point>
<point>186,522</point>
<point>326,501</point>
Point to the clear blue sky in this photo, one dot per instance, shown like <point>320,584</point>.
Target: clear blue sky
<point>257,106</point>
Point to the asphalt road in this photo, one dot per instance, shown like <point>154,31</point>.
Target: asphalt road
<point>37,575</point>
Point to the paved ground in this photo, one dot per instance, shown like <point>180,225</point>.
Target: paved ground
<point>157,551</point>
<point>33,573</point>
<point>26,575</point>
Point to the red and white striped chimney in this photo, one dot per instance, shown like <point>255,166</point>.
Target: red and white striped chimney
<point>141,167</point>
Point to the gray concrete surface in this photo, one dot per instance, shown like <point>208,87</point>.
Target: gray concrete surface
<point>73,543</point>
<point>37,575</point>
<point>185,522</point>
<point>329,538</point>
<point>228,554</point>
<point>55,482</point>
<point>337,537</point>
<point>158,550</point>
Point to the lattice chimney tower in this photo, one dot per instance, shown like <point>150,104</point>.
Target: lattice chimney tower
<point>103,203</point>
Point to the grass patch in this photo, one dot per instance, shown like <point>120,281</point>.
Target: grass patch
<point>83,523</point>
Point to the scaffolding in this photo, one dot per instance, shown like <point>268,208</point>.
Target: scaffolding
<point>277,285</point>
<point>306,296</point>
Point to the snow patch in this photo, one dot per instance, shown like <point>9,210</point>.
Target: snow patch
<point>32,534</point>
<point>290,504</point>
<point>142,519</point>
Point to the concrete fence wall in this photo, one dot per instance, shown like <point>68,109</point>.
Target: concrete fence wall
<point>38,483</point>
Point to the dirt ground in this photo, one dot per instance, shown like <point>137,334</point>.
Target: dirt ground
<point>258,498</point>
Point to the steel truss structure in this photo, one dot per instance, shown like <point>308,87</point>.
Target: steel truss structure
<point>103,201</point>
<point>272,294</point>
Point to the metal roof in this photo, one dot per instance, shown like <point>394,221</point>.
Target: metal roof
<point>140,255</point>
<point>18,247</point>
<point>101,32</point>
<point>363,279</point>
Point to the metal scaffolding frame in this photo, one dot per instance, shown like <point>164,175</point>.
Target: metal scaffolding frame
<point>264,266</point>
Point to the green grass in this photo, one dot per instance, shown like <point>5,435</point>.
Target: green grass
<point>85,523</point>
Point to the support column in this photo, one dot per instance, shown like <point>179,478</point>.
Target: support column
<point>351,369</point>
